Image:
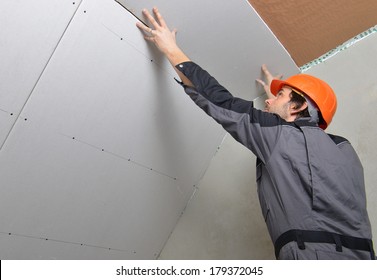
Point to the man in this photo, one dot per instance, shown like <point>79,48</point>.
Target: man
<point>310,184</point>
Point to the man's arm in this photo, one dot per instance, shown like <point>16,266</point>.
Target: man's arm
<point>255,129</point>
<point>165,41</point>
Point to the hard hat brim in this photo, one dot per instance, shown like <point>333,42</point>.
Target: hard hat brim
<point>277,85</point>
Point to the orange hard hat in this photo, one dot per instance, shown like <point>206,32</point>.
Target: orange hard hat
<point>316,89</point>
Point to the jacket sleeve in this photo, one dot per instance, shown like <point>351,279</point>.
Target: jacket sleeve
<point>255,129</point>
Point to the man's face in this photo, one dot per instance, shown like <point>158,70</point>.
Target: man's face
<point>280,104</point>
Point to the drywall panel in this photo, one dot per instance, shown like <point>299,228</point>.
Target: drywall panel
<point>57,188</point>
<point>29,33</point>
<point>108,149</point>
<point>227,38</point>
<point>105,88</point>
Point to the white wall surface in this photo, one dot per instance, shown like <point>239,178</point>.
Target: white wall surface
<point>101,148</point>
<point>224,221</point>
<point>29,34</point>
<point>208,29</point>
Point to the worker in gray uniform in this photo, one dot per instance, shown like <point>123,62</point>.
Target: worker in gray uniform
<point>310,184</point>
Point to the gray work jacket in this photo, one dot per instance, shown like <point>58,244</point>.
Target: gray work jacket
<point>307,179</point>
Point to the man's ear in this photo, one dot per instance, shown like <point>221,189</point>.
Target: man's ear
<point>295,109</point>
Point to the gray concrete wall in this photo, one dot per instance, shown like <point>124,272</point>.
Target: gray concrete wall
<point>223,220</point>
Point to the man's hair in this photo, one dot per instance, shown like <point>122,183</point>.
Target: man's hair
<point>298,100</point>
